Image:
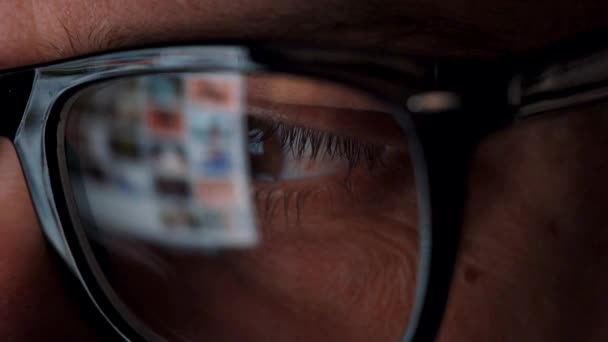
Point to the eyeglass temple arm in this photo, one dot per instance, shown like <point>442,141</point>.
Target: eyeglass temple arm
<point>15,90</point>
<point>580,81</point>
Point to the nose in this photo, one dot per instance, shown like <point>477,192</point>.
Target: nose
<point>34,305</point>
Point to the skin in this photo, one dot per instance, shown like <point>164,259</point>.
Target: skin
<point>336,248</point>
<point>533,254</point>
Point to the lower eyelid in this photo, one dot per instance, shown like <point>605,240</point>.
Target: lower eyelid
<point>282,204</point>
<point>286,202</point>
<point>273,210</point>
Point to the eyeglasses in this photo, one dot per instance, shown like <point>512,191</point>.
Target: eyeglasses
<point>254,192</point>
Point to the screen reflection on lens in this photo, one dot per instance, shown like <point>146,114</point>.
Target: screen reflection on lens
<point>256,207</point>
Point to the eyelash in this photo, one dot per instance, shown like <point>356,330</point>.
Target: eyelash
<point>274,199</point>
<point>314,144</point>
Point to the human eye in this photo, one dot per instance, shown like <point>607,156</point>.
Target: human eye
<point>321,154</point>
<point>291,165</point>
<point>280,151</point>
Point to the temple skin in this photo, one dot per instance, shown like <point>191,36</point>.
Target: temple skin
<point>534,252</point>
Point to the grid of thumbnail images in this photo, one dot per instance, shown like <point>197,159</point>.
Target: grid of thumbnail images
<point>161,158</point>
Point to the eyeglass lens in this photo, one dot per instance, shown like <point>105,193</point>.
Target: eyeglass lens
<point>257,207</point>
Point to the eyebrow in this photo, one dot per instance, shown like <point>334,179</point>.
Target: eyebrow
<point>388,27</point>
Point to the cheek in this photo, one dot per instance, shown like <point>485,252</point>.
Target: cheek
<point>341,272</point>
<point>533,251</point>
<point>313,286</point>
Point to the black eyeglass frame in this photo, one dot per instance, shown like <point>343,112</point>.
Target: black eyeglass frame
<point>449,106</point>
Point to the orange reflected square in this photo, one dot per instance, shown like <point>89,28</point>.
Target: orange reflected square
<point>218,194</point>
<point>215,93</point>
<point>164,122</point>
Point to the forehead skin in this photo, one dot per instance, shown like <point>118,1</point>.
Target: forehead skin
<point>39,30</point>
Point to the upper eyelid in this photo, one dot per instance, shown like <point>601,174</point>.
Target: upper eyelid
<point>377,127</point>
<point>314,143</point>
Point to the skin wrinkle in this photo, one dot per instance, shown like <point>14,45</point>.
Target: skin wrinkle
<point>373,275</point>
<point>84,28</point>
<point>301,303</point>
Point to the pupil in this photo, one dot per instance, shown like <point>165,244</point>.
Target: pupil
<point>265,152</point>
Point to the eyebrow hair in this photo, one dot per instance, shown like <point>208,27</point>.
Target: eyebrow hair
<point>412,28</point>
<point>460,36</point>
<point>426,28</point>
<point>101,37</point>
